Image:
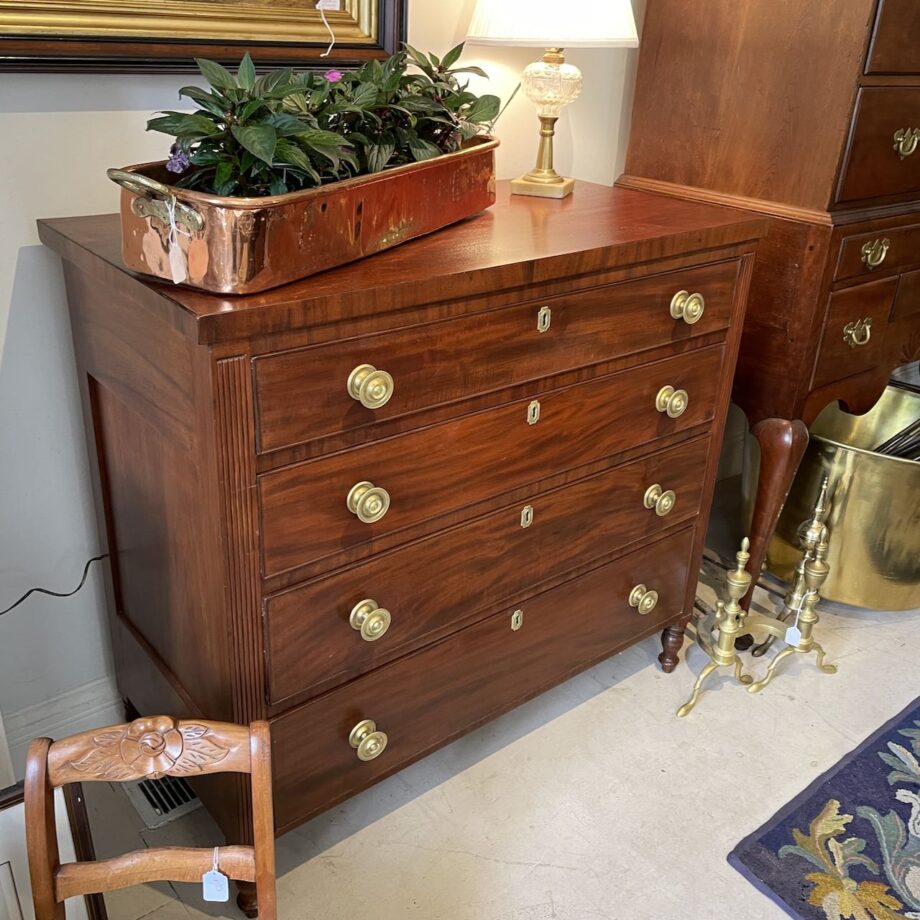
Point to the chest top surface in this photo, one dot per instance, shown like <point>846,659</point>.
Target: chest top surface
<point>520,241</point>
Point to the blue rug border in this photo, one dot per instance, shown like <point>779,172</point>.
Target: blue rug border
<point>734,858</point>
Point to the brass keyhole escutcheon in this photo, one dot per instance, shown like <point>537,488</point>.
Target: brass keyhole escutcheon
<point>544,319</point>
<point>517,620</point>
<point>367,741</point>
<point>369,503</point>
<point>906,141</point>
<point>858,333</point>
<point>658,500</point>
<point>533,412</point>
<point>671,402</point>
<point>688,307</point>
<point>643,599</point>
<point>874,253</point>
<point>370,619</point>
<point>369,386</point>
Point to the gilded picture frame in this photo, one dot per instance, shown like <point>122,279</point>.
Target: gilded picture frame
<point>166,36</point>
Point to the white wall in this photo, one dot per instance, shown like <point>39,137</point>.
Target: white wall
<point>59,134</point>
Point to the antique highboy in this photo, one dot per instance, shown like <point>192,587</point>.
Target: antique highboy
<point>385,504</point>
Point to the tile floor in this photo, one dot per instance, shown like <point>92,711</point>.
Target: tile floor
<point>592,802</point>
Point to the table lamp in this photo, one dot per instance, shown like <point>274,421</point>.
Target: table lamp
<point>551,84</point>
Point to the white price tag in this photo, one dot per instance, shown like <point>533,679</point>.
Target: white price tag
<point>215,884</point>
<point>793,635</point>
<point>178,264</point>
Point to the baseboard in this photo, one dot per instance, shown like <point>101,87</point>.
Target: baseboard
<point>93,705</point>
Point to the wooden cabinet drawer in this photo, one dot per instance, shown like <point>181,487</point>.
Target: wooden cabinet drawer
<point>900,246</point>
<point>873,168</point>
<point>302,395</point>
<point>424,700</point>
<point>896,40</point>
<point>432,585</point>
<point>453,465</point>
<point>854,330</point>
<point>907,303</point>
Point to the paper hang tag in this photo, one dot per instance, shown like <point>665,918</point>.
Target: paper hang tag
<point>793,635</point>
<point>214,883</point>
<point>178,264</point>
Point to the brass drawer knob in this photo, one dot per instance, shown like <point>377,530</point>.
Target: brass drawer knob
<point>874,253</point>
<point>367,741</point>
<point>857,333</point>
<point>369,619</point>
<point>672,402</point>
<point>643,599</point>
<point>370,387</point>
<point>688,307</point>
<point>905,141</point>
<point>658,500</point>
<point>368,502</point>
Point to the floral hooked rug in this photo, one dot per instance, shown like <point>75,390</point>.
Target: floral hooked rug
<point>849,845</point>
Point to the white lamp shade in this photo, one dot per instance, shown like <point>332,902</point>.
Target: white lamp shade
<point>554,24</point>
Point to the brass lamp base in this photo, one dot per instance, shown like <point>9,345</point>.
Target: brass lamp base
<point>561,187</point>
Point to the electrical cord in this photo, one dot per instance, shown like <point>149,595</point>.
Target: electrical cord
<point>32,591</point>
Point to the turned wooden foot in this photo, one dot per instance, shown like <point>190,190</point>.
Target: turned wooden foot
<point>672,640</point>
<point>247,900</point>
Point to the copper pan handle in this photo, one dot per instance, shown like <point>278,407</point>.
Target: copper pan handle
<point>145,187</point>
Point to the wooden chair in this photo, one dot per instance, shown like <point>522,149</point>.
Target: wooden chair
<point>147,749</point>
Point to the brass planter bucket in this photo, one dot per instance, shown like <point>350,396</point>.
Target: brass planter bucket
<point>246,245</point>
<point>875,518</point>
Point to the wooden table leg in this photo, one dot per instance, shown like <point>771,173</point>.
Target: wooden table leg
<point>782,446</point>
<point>247,899</point>
<point>672,640</point>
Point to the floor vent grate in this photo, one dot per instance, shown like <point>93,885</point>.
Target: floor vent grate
<point>159,801</point>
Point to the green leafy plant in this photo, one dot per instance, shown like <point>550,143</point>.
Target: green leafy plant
<point>285,131</point>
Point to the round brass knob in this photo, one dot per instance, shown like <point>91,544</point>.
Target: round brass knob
<point>660,501</point>
<point>874,253</point>
<point>367,741</point>
<point>370,620</point>
<point>672,402</point>
<point>688,307</point>
<point>368,502</point>
<point>370,387</point>
<point>644,600</point>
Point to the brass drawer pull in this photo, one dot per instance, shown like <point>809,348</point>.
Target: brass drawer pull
<point>906,141</point>
<point>658,500</point>
<point>643,599</point>
<point>369,619</point>
<point>368,502</point>
<point>874,253</point>
<point>367,741</point>
<point>370,387</point>
<point>857,333</point>
<point>688,307</point>
<point>672,402</point>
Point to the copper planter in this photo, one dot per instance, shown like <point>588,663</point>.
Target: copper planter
<point>245,245</point>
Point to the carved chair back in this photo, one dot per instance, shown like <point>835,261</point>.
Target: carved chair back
<point>147,748</point>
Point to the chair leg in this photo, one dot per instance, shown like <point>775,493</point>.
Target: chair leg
<point>247,899</point>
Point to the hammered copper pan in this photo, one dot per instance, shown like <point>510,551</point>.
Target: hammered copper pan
<point>245,245</point>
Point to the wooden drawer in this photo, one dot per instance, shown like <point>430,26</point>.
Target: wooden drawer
<point>837,357</point>
<point>872,167</point>
<point>901,246</point>
<point>302,395</point>
<point>456,464</point>
<point>424,700</point>
<point>433,585</point>
<point>896,41</point>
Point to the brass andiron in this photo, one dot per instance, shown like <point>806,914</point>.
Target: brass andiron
<point>729,620</point>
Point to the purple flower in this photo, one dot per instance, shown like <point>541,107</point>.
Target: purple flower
<point>178,160</point>
<point>333,76</point>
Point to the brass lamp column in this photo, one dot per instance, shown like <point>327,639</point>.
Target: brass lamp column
<point>551,84</point>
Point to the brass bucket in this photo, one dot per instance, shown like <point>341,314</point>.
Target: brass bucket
<point>245,245</point>
<point>874,524</point>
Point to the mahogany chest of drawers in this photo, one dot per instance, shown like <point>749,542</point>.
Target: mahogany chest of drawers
<point>381,506</point>
<point>807,113</point>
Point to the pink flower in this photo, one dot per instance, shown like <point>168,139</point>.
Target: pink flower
<point>333,76</point>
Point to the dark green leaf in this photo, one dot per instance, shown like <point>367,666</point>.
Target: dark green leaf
<point>365,95</point>
<point>478,71</point>
<point>378,155</point>
<point>205,99</point>
<point>250,109</point>
<point>259,140</point>
<point>181,123</point>
<point>287,125</point>
<point>246,75</point>
<point>423,150</point>
<point>483,110</point>
<point>452,57</point>
<point>216,74</point>
<point>278,187</point>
